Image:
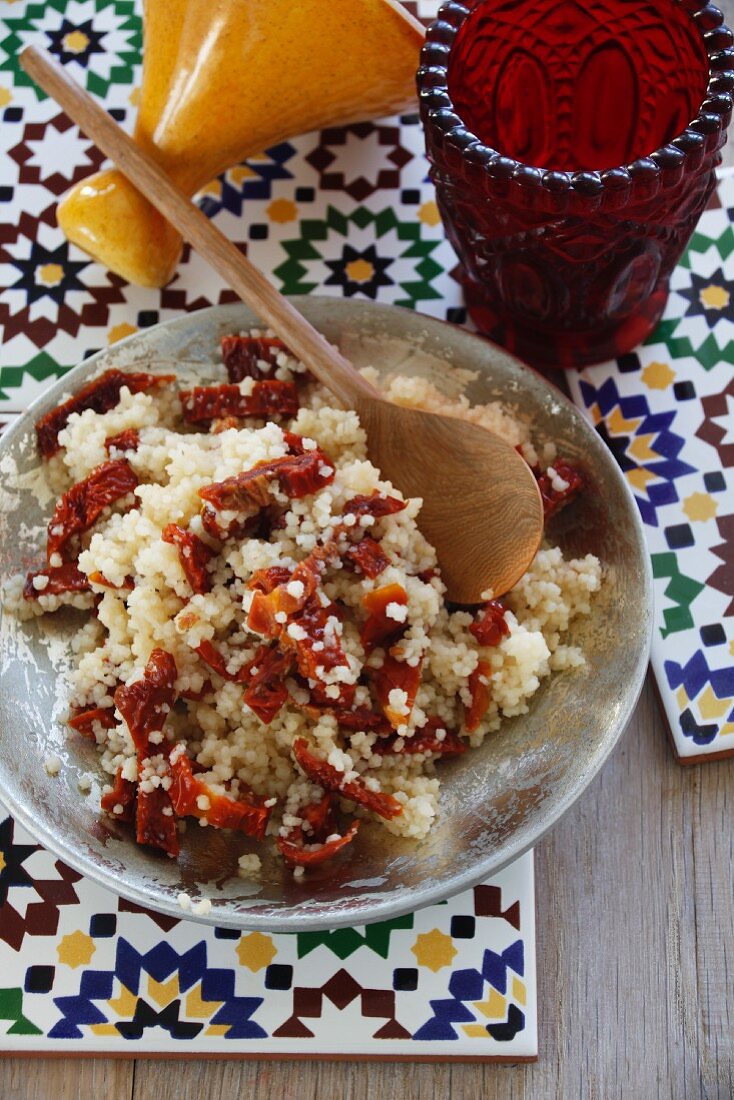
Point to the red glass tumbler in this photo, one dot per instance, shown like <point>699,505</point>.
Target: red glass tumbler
<point>573,147</point>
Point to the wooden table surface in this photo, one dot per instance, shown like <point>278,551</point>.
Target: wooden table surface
<point>635,898</point>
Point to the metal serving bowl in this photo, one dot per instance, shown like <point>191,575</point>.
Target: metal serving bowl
<point>496,801</point>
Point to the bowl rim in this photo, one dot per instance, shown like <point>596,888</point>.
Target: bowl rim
<point>302,919</point>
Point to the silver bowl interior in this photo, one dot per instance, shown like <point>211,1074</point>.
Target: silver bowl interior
<point>496,801</point>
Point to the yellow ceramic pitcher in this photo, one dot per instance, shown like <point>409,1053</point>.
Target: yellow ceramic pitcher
<point>223,79</point>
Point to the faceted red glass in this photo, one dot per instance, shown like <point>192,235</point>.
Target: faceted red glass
<point>573,146</point>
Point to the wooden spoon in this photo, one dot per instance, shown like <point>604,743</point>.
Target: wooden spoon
<point>481,504</point>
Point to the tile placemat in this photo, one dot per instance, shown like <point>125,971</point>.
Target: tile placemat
<point>85,972</point>
<point>667,413</point>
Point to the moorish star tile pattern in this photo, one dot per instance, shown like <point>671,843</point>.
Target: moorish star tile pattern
<point>667,412</point>
<point>84,970</point>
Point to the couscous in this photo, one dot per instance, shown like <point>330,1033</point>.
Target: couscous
<point>269,648</point>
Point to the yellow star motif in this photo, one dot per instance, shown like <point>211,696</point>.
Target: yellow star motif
<point>282,211</point>
<point>714,297</point>
<point>5,97</point>
<point>710,706</point>
<point>700,506</point>
<point>658,376</point>
<point>256,951</point>
<point>163,992</point>
<point>49,274</point>
<point>2,862</point>
<point>119,332</point>
<point>240,173</point>
<point>75,42</point>
<point>428,213</point>
<point>433,949</point>
<point>359,271</point>
<point>76,949</point>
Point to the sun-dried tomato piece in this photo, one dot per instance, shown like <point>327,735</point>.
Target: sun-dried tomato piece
<point>129,440</point>
<point>481,695</point>
<point>296,475</point>
<point>251,356</point>
<point>327,776</point>
<point>146,702</point>
<point>368,557</point>
<point>281,598</point>
<point>83,504</point>
<point>194,555</point>
<point>99,578</point>
<point>555,499</point>
<point>123,794</point>
<point>376,504</point>
<point>321,817</point>
<point>265,677</point>
<point>396,674</point>
<point>265,580</point>
<point>223,811</point>
<point>295,443</point>
<point>379,628</point>
<point>61,579</point>
<point>490,626</point>
<point>153,826</point>
<point>101,395</point>
<point>424,739</point>
<point>269,399</point>
<point>362,718</point>
<point>211,656</point>
<point>84,720</point>
<point>319,647</point>
<point>297,850</point>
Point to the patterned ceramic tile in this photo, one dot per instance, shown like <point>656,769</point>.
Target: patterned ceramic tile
<point>84,970</point>
<point>666,411</point>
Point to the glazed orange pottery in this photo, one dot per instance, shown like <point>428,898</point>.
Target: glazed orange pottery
<point>224,79</point>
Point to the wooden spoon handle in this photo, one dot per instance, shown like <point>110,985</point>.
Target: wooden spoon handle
<point>331,368</point>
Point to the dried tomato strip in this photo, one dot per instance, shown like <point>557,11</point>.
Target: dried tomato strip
<point>223,811</point>
<point>204,404</point>
<point>368,557</point>
<point>490,626</point>
<point>481,695</point>
<point>101,395</point>
<point>424,739</point>
<point>251,356</point>
<point>396,674</point>
<point>153,826</point>
<point>84,503</point>
<point>375,504</point>
<point>61,579</point>
<point>296,475</point>
<point>123,794</point>
<point>323,773</point>
<point>265,580</point>
<point>84,720</point>
<point>129,440</point>
<point>145,703</point>
<point>379,628</point>
<point>194,555</point>
<point>265,677</point>
<point>555,499</point>
<point>211,656</point>
<point>296,852</point>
